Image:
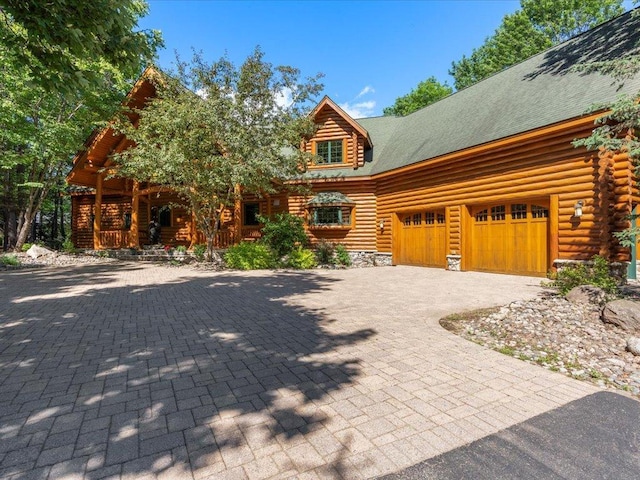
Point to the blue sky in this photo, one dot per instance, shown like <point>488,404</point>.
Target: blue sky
<point>371,52</point>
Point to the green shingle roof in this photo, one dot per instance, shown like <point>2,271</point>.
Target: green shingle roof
<point>543,90</point>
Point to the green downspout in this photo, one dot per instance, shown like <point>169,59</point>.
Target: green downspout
<point>632,269</point>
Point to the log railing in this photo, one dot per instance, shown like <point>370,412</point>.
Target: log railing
<point>224,238</point>
<point>114,239</point>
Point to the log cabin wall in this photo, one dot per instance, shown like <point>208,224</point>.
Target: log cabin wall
<point>538,165</point>
<point>113,226</point>
<point>175,221</point>
<point>333,126</point>
<point>81,221</point>
<point>361,235</point>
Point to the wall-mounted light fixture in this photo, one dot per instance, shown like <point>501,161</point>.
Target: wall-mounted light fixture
<point>381,224</point>
<point>577,209</point>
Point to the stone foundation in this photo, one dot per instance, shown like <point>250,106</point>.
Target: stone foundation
<point>453,262</point>
<point>370,259</point>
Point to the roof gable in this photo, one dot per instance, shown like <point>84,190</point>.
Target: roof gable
<point>326,102</point>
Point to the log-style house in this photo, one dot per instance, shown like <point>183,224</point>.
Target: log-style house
<point>486,179</point>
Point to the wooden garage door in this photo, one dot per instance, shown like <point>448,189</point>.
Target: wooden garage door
<point>421,239</point>
<point>510,238</point>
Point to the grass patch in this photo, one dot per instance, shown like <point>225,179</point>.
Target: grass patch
<point>595,374</point>
<point>506,350</point>
<point>9,260</point>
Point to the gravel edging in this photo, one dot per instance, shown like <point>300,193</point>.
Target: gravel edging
<point>558,335</point>
<point>55,259</point>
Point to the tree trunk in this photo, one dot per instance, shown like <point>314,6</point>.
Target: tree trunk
<point>28,215</point>
<point>10,229</point>
<point>54,219</point>
<point>63,234</point>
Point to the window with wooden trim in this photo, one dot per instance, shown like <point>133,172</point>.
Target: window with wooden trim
<point>499,212</point>
<point>407,220</point>
<point>250,213</point>
<point>331,216</point>
<point>482,215</point>
<point>417,218</point>
<point>539,212</point>
<point>429,218</point>
<point>518,211</point>
<point>440,218</point>
<point>329,152</point>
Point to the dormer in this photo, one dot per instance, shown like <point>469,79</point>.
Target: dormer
<point>339,141</point>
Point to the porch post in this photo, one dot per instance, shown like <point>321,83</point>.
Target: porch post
<point>237,216</point>
<point>97,214</point>
<point>134,237</point>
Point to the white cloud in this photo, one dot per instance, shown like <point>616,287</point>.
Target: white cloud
<point>365,90</point>
<point>359,107</point>
<point>284,98</point>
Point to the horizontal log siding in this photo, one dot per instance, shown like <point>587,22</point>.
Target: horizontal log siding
<point>112,217</point>
<point>362,235</point>
<point>536,168</point>
<point>333,127</point>
<point>179,232</point>
<point>81,231</point>
<point>455,238</point>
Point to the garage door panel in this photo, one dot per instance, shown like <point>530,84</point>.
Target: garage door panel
<point>422,239</point>
<point>510,238</point>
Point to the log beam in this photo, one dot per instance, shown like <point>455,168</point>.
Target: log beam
<point>97,213</point>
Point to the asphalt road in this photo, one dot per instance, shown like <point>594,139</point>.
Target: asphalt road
<point>596,437</point>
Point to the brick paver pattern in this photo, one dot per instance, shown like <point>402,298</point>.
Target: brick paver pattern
<point>142,371</point>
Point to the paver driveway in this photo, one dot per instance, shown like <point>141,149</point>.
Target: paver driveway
<point>133,371</point>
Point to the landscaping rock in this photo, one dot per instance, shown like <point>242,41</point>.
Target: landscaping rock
<point>559,335</point>
<point>587,294</point>
<point>36,251</point>
<point>623,313</point>
<point>633,345</point>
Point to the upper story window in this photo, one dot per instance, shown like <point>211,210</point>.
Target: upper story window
<point>329,152</point>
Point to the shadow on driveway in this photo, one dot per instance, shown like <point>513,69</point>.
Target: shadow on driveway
<point>154,375</point>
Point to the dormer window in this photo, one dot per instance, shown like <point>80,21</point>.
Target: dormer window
<point>329,152</point>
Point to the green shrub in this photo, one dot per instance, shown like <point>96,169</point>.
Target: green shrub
<point>324,252</point>
<point>249,256</point>
<point>597,274</point>
<point>9,260</point>
<point>301,258</point>
<point>342,257</point>
<point>283,233</point>
<point>199,251</point>
<point>181,249</point>
<point>26,246</point>
<point>68,246</point>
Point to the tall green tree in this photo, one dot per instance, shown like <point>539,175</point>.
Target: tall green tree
<point>538,25</point>
<point>57,41</point>
<point>427,92</point>
<point>618,128</point>
<point>216,132</point>
<point>48,106</point>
